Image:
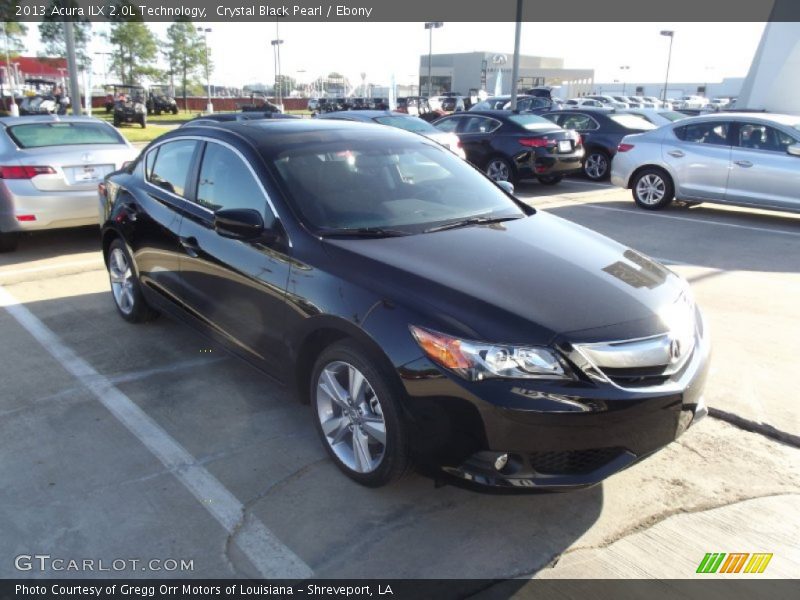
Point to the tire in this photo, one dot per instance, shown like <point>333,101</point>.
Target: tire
<point>125,286</point>
<point>652,189</point>
<point>498,168</point>
<point>175,110</point>
<point>597,165</point>
<point>550,179</point>
<point>8,241</point>
<point>354,440</point>
<point>143,121</point>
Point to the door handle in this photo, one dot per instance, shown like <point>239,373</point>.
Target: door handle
<point>676,153</point>
<point>191,246</point>
<point>743,163</point>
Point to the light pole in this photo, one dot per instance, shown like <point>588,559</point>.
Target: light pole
<point>276,50</point>
<point>205,31</point>
<point>623,69</point>
<point>430,26</point>
<point>671,35</point>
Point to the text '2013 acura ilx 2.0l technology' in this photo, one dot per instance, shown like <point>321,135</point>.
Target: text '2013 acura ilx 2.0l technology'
<point>425,314</point>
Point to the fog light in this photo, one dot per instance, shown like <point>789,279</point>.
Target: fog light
<point>500,462</point>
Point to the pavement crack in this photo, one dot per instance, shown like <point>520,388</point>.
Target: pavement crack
<point>764,429</point>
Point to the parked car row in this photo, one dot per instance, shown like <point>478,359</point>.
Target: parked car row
<point>323,105</point>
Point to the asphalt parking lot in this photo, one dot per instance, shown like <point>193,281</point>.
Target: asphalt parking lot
<point>148,442</point>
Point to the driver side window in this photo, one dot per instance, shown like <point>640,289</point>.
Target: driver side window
<point>226,182</point>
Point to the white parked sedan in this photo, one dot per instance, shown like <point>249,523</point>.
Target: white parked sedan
<point>50,167</point>
<point>744,159</point>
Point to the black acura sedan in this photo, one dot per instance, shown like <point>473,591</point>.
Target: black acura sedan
<point>601,131</point>
<point>424,313</point>
<point>509,146</point>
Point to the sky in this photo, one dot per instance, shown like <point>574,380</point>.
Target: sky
<point>242,54</point>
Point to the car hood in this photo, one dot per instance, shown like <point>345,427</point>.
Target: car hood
<point>524,281</point>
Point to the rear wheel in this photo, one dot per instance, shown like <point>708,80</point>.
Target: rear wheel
<point>499,169</point>
<point>8,241</point>
<point>652,189</point>
<point>357,415</point>
<point>125,286</point>
<point>550,179</point>
<point>596,165</point>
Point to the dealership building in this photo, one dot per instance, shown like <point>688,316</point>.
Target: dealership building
<point>472,71</point>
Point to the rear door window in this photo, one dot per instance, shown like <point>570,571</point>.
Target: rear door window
<point>712,132</point>
<point>170,170</point>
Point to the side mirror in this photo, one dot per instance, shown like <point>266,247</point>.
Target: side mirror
<point>794,149</point>
<point>239,223</point>
<point>506,186</point>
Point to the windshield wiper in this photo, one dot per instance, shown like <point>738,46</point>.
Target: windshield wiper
<point>471,221</point>
<point>363,232</point>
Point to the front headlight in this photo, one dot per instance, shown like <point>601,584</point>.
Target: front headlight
<point>476,360</point>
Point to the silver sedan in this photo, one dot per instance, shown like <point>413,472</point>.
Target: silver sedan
<point>50,167</point>
<point>743,159</point>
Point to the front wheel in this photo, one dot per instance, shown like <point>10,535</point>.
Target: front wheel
<point>125,286</point>
<point>357,415</point>
<point>499,169</point>
<point>596,166</point>
<point>652,189</point>
<point>550,179</point>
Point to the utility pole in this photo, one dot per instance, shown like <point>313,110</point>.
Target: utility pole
<point>72,64</point>
<point>671,35</point>
<point>430,26</point>
<point>515,65</point>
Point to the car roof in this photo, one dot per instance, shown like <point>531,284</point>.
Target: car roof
<point>270,136</point>
<point>782,119</point>
<point>365,115</point>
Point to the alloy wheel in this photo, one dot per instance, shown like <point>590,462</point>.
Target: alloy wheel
<point>497,170</point>
<point>121,281</point>
<point>351,417</point>
<point>596,166</point>
<point>650,189</point>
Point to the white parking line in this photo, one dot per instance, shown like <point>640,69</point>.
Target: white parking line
<point>689,220</point>
<point>265,551</point>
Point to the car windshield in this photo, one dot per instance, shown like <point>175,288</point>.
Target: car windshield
<point>40,135</point>
<point>531,122</point>
<point>408,123</point>
<point>632,121</point>
<point>375,185</point>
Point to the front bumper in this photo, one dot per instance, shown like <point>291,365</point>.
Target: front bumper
<point>556,435</point>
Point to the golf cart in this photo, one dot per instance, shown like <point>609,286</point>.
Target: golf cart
<point>158,101</point>
<point>129,105</point>
<point>39,98</point>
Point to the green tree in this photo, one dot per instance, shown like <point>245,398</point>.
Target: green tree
<point>185,54</point>
<point>284,84</point>
<point>53,36</point>
<point>135,51</point>
<point>14,41</point>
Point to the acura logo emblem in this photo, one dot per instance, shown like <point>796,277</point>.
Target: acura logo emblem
<point>499,59</point>
<point>674,350</point>
<point>86,157</point>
